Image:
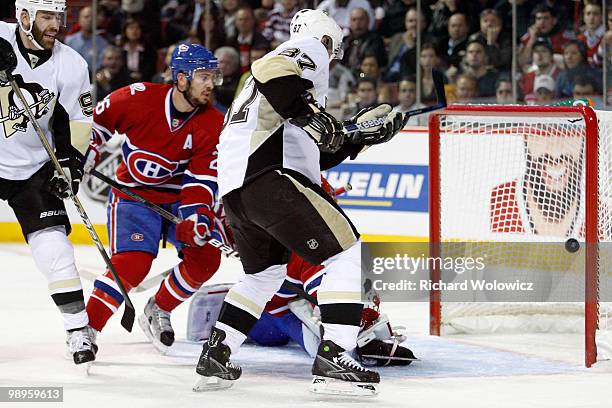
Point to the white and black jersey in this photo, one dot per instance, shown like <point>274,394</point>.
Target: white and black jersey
<point>56,85</point>
<point>257,136</point>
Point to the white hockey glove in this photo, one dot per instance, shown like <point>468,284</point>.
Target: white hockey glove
<point>92,158</point>
<point>393,123</point>
<point>321,126</point>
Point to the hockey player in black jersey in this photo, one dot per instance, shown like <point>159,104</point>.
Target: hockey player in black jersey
<point>276,140</point>
<point>55,81</point>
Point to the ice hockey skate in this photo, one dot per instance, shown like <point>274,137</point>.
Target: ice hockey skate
<point>155,323</point>
<point>214,368</point>
<point>82,346</point>
<point>336,372</point>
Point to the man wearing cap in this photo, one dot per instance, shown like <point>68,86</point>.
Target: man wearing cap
<point>543,64</point>
<point>544,86</point>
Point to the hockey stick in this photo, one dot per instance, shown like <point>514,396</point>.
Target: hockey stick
<point>224,248</point>
<point>127,321</point>
<point>438,81</point>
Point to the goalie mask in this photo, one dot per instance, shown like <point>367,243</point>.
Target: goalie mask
<point>316,24</point>
<point>32,7</point>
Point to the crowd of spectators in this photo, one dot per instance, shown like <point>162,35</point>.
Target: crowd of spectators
<point>559,54</point>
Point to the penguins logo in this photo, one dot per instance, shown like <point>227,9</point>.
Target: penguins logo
<point>13,118</point>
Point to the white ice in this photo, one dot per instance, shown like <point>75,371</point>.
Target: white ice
<point>478,371</point>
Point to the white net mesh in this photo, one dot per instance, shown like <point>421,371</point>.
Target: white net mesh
<point>520,178</point>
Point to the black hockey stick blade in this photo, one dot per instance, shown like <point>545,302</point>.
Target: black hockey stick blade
<point>438,81</point>
<point>127,320</point>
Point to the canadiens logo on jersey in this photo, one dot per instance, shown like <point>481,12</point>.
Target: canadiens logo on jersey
<point>12,115</point>
<point>148,168</point>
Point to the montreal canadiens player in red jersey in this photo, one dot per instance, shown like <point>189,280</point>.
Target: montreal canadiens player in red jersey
<point>169,158</point>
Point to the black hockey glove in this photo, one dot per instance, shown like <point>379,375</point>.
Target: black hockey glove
<point>72,164</point>
<point>371,130</point>
<point>8,60</point>
<point>323,128</point>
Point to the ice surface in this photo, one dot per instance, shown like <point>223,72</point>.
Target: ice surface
<point>455,371</point>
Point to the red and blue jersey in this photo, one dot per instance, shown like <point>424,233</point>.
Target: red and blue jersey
<point>166,159</point>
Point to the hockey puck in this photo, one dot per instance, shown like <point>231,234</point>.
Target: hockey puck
<point>572,245</point>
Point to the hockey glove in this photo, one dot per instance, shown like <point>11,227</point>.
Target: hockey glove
<point>72,164</point>
<point>393,123</point>
<point>196,226</point>
<point>8,60</point>
<point>92,158</point>
<point>321,126</point>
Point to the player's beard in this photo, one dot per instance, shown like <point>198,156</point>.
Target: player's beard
<point>553,204</point>
<point>196,100</point>
<point>40,38</point>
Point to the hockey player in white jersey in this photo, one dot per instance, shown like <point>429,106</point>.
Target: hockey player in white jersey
<point>55,81</point>
<point>276,140</point>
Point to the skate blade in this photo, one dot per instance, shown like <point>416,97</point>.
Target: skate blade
<point>143,322</point>
<point>211,384</point>
<point>332,386</point>
<point>381,357</point>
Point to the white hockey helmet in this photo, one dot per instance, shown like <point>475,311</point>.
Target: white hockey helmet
<point>33,6</point>
<point>317,24</point>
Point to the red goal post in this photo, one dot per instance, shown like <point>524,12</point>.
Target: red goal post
<point>454,122</point>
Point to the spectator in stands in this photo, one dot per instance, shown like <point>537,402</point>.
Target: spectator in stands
<point>229,65</point>
<point>230,7</point>
<point>394,20</point>
<point>165,76</point>
<point>523,14</point>
<point>545,26</point>
<point>443,10</point>
<point>404,43</point>
<point>503,91</point>
<point>257,52</point>
<point>594,29</point>
<point>606,42</point>
<point>574,59</point>
<point>498,42</point>
<point>340,10</point>
<point>82,41</point>
<point>475,64</point>
<point>366,93</point>
<point>584,87</point>
<point>214,23</point>
<point>429,61</point>
<point>361,42</point>
<point>543,64</point>
<point>277,26</point>
<point>466,88</point>
<point>544,86</point>
<point>341,82</point>
<point>369,67</point>
<point>454,49</point>
<point>407,101</point>
<point>138,57</point>
<point>113,75</point>
<point>246,37</point>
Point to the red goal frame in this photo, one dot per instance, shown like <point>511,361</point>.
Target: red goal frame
<point>591,202</point>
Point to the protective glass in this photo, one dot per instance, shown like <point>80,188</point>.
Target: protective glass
<point>44,17</point>
<point>204,75</point>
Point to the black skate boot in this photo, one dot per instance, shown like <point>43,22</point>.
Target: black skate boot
<point>214,366</point>
<point>82,346</point>
<point>155,323</point>
<point>336,372</point>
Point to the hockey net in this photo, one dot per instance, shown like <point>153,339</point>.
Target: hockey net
<point>514,183</point>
